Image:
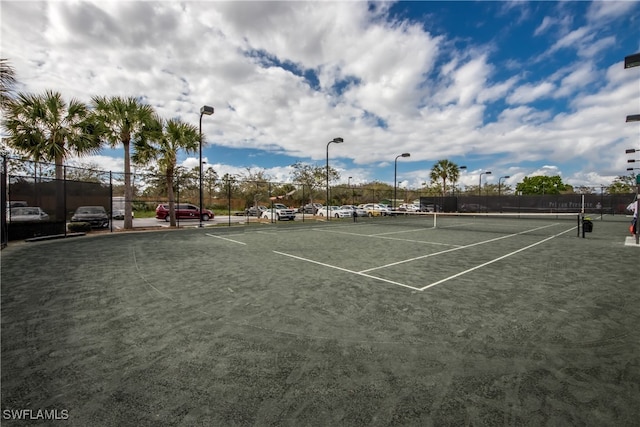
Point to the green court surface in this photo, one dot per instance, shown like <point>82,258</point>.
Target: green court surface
<point>368,323</point>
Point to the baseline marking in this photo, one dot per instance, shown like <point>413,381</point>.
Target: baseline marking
<point>346,270</point>
<point>494,260</point>
<point>224,238</point>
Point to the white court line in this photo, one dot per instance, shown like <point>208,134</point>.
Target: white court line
<point>224,238</point>
<point>459,248</point>
<point>379,236</point>
<point>494,260</point>
<point>403,231</point>
<point>346,270</point>
<point>363,272</point>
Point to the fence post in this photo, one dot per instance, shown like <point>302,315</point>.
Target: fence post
<point>110,203</point>
<point>64,197</point>
<point>3,198</point>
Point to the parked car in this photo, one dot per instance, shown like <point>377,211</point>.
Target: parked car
<point>335,211</point>
<point>311,208</point>
<point>255,211</point>
<point>354,209</point>
<point>94,215</point>
<point>409,207</point>
<point>183,211</point>
<point>119,214</point>
<point>374,209</point>
<point>27,214</point>
<point>279,212</point>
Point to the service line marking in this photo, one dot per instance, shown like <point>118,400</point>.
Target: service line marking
<point>346,270</point>
<point>459,248</point>
<point>364,272</point>
<point>224,238</point>
<point>494,260</point>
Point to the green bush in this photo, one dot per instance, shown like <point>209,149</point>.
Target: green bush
<point>79,227</point>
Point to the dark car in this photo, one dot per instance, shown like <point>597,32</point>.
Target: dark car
<point>310,208</point>
<point>255,211</point>
<point>94,215</point>
<point>183,211</point>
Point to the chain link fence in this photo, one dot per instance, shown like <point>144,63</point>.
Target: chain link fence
<point>59,192</point>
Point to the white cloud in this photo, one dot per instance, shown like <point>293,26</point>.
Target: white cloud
<point>607,10</point>
<point>530,92</point>
<point>573,39</point>
<point>385,86</point>
<point>545,25</point>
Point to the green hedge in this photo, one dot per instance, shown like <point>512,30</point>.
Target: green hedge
<point>79,227</point>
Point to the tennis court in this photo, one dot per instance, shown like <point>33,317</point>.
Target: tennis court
<point>383,321</point>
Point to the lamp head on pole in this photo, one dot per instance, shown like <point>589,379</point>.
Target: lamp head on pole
<point>487,173</point>
<point>462,167</point>
<point>337,140</point>
<point>405,155</point>
<point>631,61</point>
<point>206,110</point>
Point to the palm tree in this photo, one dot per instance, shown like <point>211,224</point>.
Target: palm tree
<point>123,120</point>
<point>163,146</point>
<point>445,170</point>
<point>7,80</point>
<point>46,128</point>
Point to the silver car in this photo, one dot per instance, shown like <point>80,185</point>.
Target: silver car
<point>27,214</point>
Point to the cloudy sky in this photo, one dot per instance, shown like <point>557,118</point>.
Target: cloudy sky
<point>515,88</point>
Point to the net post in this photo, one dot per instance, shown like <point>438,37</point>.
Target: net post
<point>579,226</point>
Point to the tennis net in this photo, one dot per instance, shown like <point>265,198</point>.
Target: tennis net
<point>503,223</point>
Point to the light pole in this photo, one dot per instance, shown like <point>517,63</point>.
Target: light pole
<point>456,182</point>
<point>336,141</point>
<point>631,61</point>
<point>349,184</point>
<point>480,182</point>
<point>395,180</point>
<point>637,214</point>
<point>499,179</point>
<point>208,111</point>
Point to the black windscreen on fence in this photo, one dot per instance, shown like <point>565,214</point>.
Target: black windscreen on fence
<point>52,201</point>
<point>591,203</point>
<point>41,207</point>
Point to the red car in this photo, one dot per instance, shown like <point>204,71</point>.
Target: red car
<point>183,211</point>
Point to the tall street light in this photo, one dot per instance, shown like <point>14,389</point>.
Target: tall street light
<point>208,111</point>
<point>480,182</point>
<point>499,182</point>
<point>455,183</point>
<point>395,180</point>
<point>336,141</point>
<point>631,61</point>
<point>349,184</point>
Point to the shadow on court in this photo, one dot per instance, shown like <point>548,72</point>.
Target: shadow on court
<point>336,323</point>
